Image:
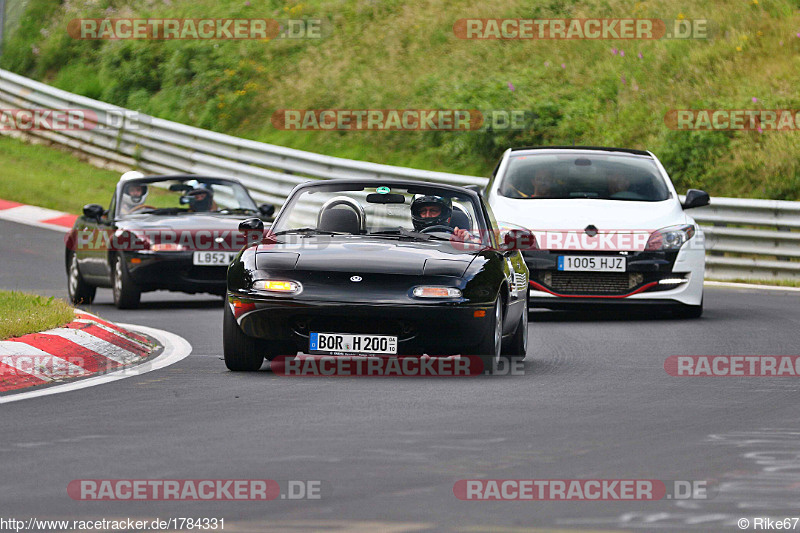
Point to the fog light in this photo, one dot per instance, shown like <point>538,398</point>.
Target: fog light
<point>436,292</point>
<point>167,247</point>
<point>272,285</point>
<point>672,281</point>
<point>635,279</point>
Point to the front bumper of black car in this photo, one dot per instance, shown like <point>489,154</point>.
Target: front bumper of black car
<point>432,328</point>
<point>175,271</point>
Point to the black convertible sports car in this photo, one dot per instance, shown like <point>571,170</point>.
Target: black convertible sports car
<point>377,267</point>
<point>176,233</point>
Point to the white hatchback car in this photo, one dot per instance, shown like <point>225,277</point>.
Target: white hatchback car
<point>609,227</point>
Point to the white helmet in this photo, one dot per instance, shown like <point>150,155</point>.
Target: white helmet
<point>129,202</point>
<point>131,175</point>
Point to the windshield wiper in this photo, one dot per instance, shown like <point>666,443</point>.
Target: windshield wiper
<point>401,232</point>
<point>160,211</point>
<point>237,211</point>
<point>309,231</point>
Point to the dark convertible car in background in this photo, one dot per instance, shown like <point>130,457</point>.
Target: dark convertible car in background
<point>175,233</point>
<point>377,267</point>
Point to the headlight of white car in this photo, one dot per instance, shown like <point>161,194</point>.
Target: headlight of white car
<point>670,238</point>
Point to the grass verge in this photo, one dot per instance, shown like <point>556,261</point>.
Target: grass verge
<point>39,175</point>
<point>22,313</point>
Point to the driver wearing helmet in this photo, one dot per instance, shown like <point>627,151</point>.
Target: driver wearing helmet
<point>429,211</point>
<point>133,195</point>
<point>200,199</point>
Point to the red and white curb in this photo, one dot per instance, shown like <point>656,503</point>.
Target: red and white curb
<point>88,346</point>
<point>36,216</point>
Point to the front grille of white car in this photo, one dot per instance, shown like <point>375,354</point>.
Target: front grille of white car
<point>591,282</point>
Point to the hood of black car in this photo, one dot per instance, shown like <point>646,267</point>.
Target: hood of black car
<point>195,221</point>
<point>365,255</point>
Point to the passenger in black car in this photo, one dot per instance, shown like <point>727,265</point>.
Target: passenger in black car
<point>200,199</point>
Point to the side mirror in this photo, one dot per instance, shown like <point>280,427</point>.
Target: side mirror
<point>251,225</point>
<point>252,229</point>
<point>517,239</point>
<point>266,210</point>
<point>93,211</point>
<point>695,198</point>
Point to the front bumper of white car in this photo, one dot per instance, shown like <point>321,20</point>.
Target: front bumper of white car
<point>649,278</point>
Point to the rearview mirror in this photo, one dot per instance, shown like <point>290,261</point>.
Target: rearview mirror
<point>93,211</point>
<point>695,198</point>
<point>388,198</point>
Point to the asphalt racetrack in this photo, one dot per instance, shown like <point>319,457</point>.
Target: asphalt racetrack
<point>594,403</point>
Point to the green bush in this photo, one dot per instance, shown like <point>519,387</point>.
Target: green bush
<point>690,157</point>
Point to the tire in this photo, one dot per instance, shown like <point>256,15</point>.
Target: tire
<point>242,353</point>
<point>78,290</point>
<point>690,311</point>
<point>490,350</point>
<point>126,293</point>
<point>517,347</point>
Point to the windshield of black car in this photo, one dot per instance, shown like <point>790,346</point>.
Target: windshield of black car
<point>596,176</point>
<point>376,210</point>
<point>172,197</point>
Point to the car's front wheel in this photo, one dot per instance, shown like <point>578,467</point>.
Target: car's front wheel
<point>491,348</point>
<point>517,347</point>
<point>126,293</point>
<point>78,290</point>
<point>242,353</point>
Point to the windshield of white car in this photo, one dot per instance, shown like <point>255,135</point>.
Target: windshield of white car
<point>593,176</point>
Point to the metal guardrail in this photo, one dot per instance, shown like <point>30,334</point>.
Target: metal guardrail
<point>745,238</point>
<point>751,239</point>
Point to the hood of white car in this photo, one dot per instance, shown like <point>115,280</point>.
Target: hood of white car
<point>576,214</point>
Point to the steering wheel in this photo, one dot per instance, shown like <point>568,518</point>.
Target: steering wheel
<point>437,227</point>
